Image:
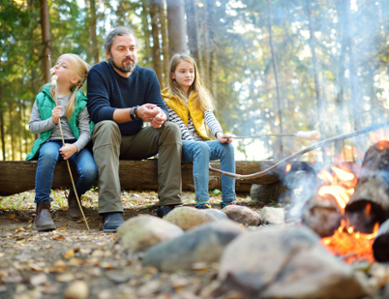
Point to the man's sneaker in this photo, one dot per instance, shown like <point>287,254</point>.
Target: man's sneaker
<point>225,204</point>
<point>111,221</point>
<point>162,211</point>
<point>203,206</point>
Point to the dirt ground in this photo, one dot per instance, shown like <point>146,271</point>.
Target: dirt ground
<point>92,264</point>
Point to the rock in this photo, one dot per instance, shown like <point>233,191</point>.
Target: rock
<point>142,232</point>
<point>188,217</point>
<point>217,213</point>
<point>285,262</point>
<point>77,290</point>
<point>243,215</point>
<point>271,215</point>
<point>203,243</point>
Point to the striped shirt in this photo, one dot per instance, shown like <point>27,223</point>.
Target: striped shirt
<point>189,132</point>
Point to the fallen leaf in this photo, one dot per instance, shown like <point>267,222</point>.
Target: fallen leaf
<point>12,216</point>
<point>59,237</point>
<point>66,277</point>
<point>69,254</point>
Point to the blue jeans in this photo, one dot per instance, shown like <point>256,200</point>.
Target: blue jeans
<point>48,158</point>
<point>200,153</point>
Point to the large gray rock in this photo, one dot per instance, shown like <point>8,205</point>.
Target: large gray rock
<point>285,262</point>
<point>243,215</point>
<point>142,232</point>
<point>203,243</point>
<point>188,217</point>
<point>217,213</point>
<point>270,215</point>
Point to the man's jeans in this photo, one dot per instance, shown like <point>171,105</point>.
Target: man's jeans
<point>49,156</point>
<point>200,153</point>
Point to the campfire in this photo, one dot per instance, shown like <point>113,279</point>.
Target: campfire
<point>351,208</point>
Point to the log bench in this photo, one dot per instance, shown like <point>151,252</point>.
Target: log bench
<point>19,176</point>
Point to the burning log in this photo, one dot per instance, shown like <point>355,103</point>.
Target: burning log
<point>381,243</point>
<point>370,202</point>
<point>322,214</point>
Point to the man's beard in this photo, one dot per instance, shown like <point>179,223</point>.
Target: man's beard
<point>129,68</point>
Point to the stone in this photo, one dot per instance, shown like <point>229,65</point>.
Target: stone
<point>77,290</point>
<point>285,262</point>
<point>142,232</point>
<point>270,215</point>
<point>217,213</point>
<point>243,215</point>
<point>188,217</point>
<point>202,244</point>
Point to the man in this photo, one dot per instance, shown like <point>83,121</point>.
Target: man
<point>123,95</point>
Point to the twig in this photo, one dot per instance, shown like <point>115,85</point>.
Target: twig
<point>67,161</point>
<point>300,153</point>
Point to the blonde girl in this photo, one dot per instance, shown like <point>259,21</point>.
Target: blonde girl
<point>190,106</point>
<point>71,72</point>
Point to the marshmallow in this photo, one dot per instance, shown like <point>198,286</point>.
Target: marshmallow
<point>52,71</point>
<point>309,135</point>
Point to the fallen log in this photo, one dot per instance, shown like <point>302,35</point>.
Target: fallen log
<point>381,243</point>
<point>370,202</point>
<point>19,176</point>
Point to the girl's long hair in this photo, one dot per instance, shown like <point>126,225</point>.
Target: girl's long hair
<point>81,69</point>
<point>203,100</point>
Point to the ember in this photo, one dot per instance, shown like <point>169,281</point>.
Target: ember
<point>351,246</point>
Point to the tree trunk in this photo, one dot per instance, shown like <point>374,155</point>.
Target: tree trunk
<point>45,24</point>
<point>275,68</point>
<point>176,26</point>
<point>155,17</point>
<point>2,122</point>
<point>93,31</point>
<point>319,102</point>
<point>356,100</point>
<point>165,42</point>
<point>11,130</point>
<point>192,28</point>
<point>146,31</point>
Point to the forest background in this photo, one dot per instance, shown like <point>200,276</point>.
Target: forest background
<point>273,66</point>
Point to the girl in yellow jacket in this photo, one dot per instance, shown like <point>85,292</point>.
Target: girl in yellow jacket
<point>190,106</point>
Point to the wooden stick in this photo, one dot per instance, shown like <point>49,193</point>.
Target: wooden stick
<point>67,161</point>
<point>300,153</point>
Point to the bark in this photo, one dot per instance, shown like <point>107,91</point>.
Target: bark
<point>93,31</point>
<point>165,42</point>
<point>155,18</point>
<point>191,19</point>
<point>46,51</point>
<point>381,243</point>
<point>11,130</point>
<point>275,68</point>
<point>2,123</point>
<point>370,202</point>
<point>355,94</point>
<point>176,26</point>
<point>145,23</point>
<point>319,100</point>
<point>19,176</point>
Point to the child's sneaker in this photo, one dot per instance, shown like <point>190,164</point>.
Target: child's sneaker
<point>224,204</point>
<point>203,206</point>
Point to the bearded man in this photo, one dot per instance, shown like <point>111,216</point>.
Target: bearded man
<point>122,96</point>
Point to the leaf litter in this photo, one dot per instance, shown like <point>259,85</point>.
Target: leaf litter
<point>52,264</point>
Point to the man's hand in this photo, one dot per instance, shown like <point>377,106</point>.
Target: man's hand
<point>223,138</point>
<point>68,150</point>
<point>56,114</point>
<point>153,114</point>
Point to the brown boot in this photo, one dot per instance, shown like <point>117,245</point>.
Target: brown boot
<point>74,212</point>
<point>43,219</point>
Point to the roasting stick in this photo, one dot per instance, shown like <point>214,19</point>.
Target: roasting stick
<point>54,83</point>
<point>300,153</point>
<point>307,135</point>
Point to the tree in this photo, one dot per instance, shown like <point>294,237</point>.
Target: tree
<point>46,51</point>
<point>176,27</point>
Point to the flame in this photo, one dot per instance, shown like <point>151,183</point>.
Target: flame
<point>325,176</point>
<point>343,174</point>
<point>288,168</point>
<point>352,246</point>
<point>341,194</point>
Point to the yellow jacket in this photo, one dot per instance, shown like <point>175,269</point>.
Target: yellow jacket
<point>183,112</point>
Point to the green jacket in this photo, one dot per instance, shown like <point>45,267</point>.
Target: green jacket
<point>45,104</point>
